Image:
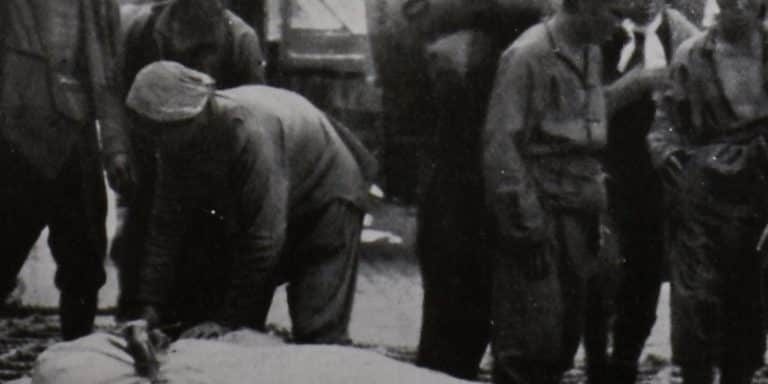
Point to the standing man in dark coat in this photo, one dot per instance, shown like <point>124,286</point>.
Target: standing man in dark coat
<point>542,144</point>
<point>59,73</point>
<point>284,187</point>
<point>202,35</point>
<point>709,144</point>
<point>454,264</point>
<point>645,42</point>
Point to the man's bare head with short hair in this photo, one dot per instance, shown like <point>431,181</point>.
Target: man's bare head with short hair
<point>738,17</point>
<point>597,18</point>
<point>195,33</point>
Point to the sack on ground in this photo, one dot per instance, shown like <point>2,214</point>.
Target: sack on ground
<point>101,358</point>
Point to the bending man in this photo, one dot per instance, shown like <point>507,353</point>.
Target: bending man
<point>281,185</point>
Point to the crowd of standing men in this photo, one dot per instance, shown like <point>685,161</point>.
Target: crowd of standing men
<point>588,143</point>
<point>617,139</point>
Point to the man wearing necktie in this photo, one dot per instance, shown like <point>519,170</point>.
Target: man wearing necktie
<point>635,61</point>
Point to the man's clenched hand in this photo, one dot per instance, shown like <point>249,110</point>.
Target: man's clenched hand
<point>120,173</point>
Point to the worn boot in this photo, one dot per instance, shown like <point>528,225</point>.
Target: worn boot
<point>623,372</point>
<point>736,374</point>
<point>697,374</point>
<point>77,313</point>
<point>597,372</point>
<point>513,371</point>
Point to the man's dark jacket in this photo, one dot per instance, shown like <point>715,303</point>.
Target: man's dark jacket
<point>273,159</point>
<point>43,80</point>
<point>241,61</point>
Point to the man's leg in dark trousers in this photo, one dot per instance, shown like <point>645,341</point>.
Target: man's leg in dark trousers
<point>538,322</point>
<point>637,297</point>
<point>323,275</point>
<point>744,336</point>
<point>454,268</point>
<point>22,218</point>
<point>24,205</point>
<point>599,309</point>
<point>715,299</point>
<point>133,213</point>
<point>78,243</point>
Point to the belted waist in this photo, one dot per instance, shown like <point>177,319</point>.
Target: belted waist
<point>572,182</point>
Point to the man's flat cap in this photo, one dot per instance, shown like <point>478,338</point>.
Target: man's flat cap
<point>166,91</point>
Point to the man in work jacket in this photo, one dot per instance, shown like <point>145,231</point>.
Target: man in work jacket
<point>544,181</point>
<point>284,187</point>
<point>59,73</point>
<point>709,145</point>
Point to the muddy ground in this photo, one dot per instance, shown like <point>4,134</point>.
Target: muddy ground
<point>386,318</point>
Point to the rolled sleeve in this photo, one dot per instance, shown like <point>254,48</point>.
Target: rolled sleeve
<point>673,115</point>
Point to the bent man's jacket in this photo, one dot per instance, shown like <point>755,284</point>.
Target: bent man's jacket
<point>271,158</point>
<point>542,135</point>
<point>60,69</point>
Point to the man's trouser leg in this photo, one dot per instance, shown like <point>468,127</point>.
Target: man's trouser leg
<point>538,322</point>
<point>133,213</point>
<point>455,326</point>
<point>715,302</point>
<point>323,273</point>
<point>637,297</point>
<point>598,311</point>
<point>78,243</point>
<point>743,342</point>
<point>23,209</point>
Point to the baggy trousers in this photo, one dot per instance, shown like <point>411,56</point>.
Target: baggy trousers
<point>452,244</point>
<point>641,247</point>
<point>73,207</point>
<point>716,271</point>
<point>715,296</point>
<point>454,267</point>
<point>538,322</point>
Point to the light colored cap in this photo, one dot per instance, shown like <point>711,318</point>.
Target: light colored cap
<point>166,91</point>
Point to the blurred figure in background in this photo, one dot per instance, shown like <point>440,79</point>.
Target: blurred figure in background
<point>202,35</point>
<point>59,74</point>
<point>462,60</point>
<point>709,145</point>
<point>636,63</point>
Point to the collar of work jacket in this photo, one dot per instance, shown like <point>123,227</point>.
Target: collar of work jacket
<point>590,74</point>
<point>590,77</point>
